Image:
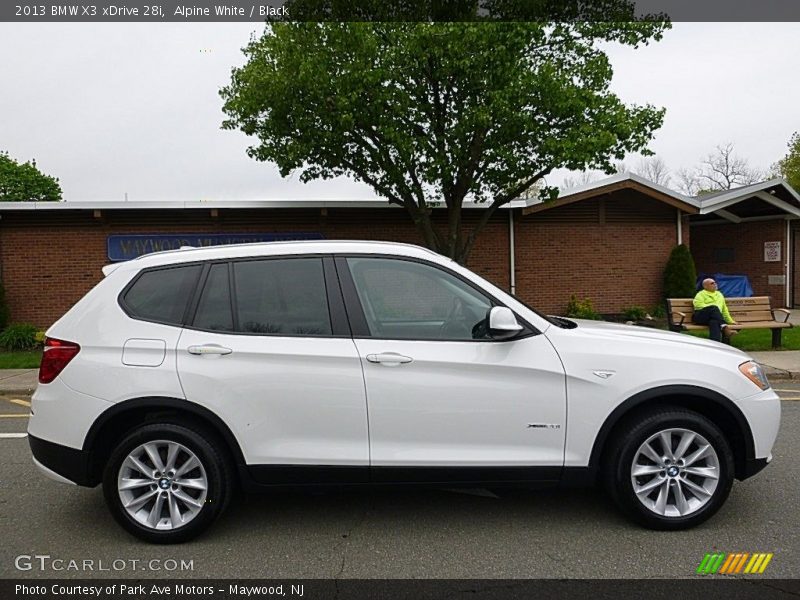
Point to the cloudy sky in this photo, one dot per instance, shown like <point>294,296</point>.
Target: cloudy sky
<point>115,109</point>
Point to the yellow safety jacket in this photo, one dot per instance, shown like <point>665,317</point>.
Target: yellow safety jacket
<point>704,299</point>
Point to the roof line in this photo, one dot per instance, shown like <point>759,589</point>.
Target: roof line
<point>216,204</point>
<point>734,195</point>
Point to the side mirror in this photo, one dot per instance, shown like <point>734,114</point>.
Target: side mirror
<point>502,323</point>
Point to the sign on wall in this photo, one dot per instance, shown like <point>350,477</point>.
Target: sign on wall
<point>126,247</point>
<point>772,251</point>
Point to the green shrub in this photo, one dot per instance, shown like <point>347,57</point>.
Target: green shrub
<point>680,275</point>
<point>634,313</point>
<point>19,336</point>
<point>582,309</point>
<point>659,312</point>
<point>5,315</point>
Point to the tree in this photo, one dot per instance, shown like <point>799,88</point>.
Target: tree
<point>439,114</point>
<point>680,275</point>
<point>789,166</point>
<point>720,170</point>
<point>25,182</point>
<point>582,178</point>
<point>654,169</point>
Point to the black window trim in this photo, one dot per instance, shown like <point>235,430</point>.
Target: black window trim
<point>189,302</point>
<point>339,326</point>
<point>358,321</point>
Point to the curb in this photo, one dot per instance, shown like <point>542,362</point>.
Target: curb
<point>775,374</point>
<point>28,390</point>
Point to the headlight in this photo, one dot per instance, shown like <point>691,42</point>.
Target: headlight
<point>753,371</point>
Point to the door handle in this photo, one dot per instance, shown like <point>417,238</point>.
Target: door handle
<point>390,359</point>
<point>207,349</point>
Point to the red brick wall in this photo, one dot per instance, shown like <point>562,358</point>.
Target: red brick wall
<point>612,252</point>
<point>747,239</point>
<point>49,260</point>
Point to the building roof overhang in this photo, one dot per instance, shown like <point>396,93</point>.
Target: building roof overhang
<point>609,185</point>
<point>773,198</point>
<point>216,204</point>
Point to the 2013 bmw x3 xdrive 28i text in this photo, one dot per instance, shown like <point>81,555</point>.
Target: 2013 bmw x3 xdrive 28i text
<point>184,374</point>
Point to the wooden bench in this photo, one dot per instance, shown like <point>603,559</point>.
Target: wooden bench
<point>749,313</point>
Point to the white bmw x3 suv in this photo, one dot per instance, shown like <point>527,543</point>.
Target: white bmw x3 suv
<point>183,375</point>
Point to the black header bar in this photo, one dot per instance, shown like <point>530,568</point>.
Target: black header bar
<point>204,11</point>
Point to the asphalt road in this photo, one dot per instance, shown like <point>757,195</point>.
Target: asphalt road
<point>398,534</point>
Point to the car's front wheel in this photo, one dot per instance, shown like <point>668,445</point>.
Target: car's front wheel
<point>166,483</point>
<point>670,468</point>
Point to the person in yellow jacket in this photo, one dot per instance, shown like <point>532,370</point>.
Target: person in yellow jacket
<point>710,309</point>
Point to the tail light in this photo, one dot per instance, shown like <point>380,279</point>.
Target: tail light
<point>56,356</point>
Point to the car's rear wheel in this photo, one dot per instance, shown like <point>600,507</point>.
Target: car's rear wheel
<point>670,468</point>
<point>166,483</point>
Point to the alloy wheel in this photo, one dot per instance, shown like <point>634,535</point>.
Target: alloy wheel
<point>162,485</point>
<point>675,472</point>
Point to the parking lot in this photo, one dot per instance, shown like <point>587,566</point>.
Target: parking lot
<point>393,534</point>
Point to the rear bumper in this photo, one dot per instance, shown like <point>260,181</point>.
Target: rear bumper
<point>65,463</point>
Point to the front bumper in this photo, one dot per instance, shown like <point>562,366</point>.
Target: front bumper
<point>65,463</point>
<point>753,466</point>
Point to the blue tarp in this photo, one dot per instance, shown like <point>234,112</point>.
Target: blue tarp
<point>731,286</point>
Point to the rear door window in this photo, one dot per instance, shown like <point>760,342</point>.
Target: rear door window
<point>214,310</point>
<point>162,295</point>
<point>281,297</point>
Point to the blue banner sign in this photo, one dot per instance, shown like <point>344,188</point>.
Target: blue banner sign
<point>126,247</point>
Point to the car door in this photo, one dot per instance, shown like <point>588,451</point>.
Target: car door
<point>269,350</point>
<point>441,393</point>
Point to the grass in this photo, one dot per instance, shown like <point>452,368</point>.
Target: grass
<point>28,359</point>
<point>753,340</point>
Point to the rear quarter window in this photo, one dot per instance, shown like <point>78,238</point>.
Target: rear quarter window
<point>161,295</point>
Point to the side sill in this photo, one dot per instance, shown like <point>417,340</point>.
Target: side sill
<point>260,477</point>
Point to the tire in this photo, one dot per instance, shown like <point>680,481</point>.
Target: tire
<point>167,507</point>
<point>673,493</point>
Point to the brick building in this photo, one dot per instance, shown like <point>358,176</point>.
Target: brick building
<point>608,241</point>
<point>752,230</point>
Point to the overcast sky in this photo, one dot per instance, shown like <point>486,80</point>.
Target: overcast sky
<point>134,108</point>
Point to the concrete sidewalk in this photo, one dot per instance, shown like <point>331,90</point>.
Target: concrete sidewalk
<point>779,365</point>
<point>18,381</point>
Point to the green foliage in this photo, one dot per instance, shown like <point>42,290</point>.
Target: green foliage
<point>680,275</point>
<point>19,336</point>
<point>659,311</point>
<point>5,314</point>
<point>582,309</point>
<point>433,114</point>
<point>789,165</point>
<point>28,359</point>
<point>25,182</point>
<point>634,313</point>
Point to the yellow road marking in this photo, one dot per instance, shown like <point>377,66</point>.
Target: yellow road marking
<point>20,402</point>
<point>790,397</point>
<point>24,416</point>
